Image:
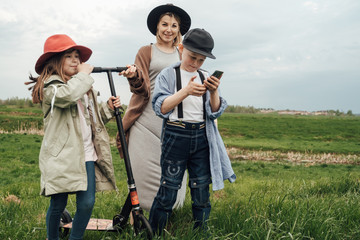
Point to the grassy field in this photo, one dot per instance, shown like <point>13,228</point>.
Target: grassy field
<point>316,134</point>
<point>284,133</point>
<point>272,199</point>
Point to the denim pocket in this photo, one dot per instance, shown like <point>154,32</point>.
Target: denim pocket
<point>168,142</point>
<point>200,191</point>
<point>173,170</point>
<point>199,182</point>
<point>167,196</point>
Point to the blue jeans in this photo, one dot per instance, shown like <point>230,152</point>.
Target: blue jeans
<point>183,147</point>
<point>85,201</point>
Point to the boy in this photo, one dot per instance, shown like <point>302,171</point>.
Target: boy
<point>190,139</point>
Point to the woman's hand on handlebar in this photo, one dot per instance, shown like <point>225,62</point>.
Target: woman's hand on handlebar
<point>130,72</point>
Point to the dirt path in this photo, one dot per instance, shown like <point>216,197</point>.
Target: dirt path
<point>294,157</point>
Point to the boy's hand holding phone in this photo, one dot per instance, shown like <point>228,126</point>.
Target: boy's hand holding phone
<point>212,82</point>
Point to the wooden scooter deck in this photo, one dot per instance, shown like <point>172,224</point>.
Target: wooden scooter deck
<point>96,224</point>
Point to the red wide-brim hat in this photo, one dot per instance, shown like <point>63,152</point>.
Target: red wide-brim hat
<point>59,43</point>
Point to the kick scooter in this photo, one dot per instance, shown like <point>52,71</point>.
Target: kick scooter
<point>132,204</point>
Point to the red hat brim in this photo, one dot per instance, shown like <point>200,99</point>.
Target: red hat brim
<point>57,44</point>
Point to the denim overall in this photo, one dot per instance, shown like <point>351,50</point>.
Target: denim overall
<point>184,146</point>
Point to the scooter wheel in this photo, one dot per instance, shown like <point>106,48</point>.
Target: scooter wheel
<point>142,226</point>
<point>65,218</point>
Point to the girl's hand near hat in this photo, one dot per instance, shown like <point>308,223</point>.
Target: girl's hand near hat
<point>85,68</point>
<point>212,83</point>
<point>130,72</point>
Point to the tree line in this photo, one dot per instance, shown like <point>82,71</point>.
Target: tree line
<point>27,102</point>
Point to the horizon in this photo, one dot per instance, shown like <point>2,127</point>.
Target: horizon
<point>229,105</point>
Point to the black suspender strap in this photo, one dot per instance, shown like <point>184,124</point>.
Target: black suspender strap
<point>178,87</point>
<point>204,95</point>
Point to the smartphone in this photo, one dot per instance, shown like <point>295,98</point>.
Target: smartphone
<point>218,74</point>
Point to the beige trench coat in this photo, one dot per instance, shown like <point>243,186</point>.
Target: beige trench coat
<point>61,158</point>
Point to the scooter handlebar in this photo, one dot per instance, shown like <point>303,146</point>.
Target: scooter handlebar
<point>114,69</point>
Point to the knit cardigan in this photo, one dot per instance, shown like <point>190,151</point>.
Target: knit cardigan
<point>140,87</point>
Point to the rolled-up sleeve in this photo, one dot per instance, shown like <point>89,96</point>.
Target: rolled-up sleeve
<point>67,93</point>
<point>214,115</point>
<point>164,87</point>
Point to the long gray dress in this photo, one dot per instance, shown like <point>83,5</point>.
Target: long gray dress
<point>144,141</point>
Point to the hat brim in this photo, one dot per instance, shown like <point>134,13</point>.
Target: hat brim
<point>84,52</point>
<point>195,50</point>
<point>154,16</point>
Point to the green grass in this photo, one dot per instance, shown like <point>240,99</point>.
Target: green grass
<point>277,200</point>
<point>15,119</point>
<point>36,110</point>
<point>267,201</point>
<point>315,134</point>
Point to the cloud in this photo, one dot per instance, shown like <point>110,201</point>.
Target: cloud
<point>273,53</point>
<point>6,17</point>
<point>314,7</point>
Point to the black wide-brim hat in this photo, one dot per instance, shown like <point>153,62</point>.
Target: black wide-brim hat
<point>154,16</point>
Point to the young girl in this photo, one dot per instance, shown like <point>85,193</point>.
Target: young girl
<point>75,147</point>
<point>168,23</point>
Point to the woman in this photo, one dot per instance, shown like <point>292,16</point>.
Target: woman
<point>143,128</point>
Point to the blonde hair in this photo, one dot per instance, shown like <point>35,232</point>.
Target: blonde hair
<point>53,66</point>
<point>178,37</point>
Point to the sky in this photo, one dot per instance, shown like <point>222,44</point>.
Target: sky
<point>280,54</point>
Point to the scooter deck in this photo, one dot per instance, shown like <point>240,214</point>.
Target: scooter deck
<point>96,224</point>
